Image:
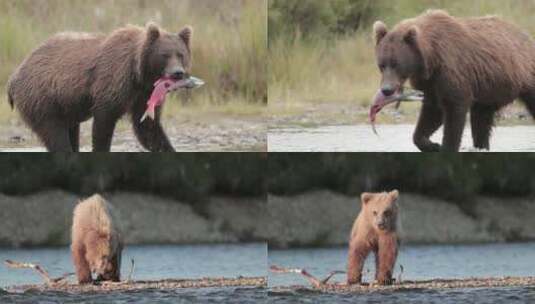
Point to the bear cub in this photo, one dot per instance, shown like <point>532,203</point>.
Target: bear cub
<point>96,241</point>
<point>375,229</point>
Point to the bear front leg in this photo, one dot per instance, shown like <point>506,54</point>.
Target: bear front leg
<point>429,121</point>
<point>482,121</point>
<point>74,136</point>
<point>150,132</point>
<point>82,269</point>
<point>358,251</point>
<point>116,262</point>
<point>386,257</point>
<point>454,122</point>
<point>103,128</point>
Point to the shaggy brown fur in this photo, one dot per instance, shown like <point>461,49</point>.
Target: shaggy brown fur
<point>461,64</point>
<point>96,241</point>
<point>75,76</point>
<point>375,229</point>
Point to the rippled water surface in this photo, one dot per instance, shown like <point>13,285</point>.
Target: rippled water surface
<point>392,138</point>
<point>152,263</point>
<point>419,262</point>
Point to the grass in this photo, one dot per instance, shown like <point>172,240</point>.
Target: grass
<point>229,42</point>
<point>342,69</point>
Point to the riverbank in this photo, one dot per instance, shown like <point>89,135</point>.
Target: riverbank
<point>324,218</point>
<point>190,128</point>
<point>324,113</point>
<point>319,218</point>
<point>44,219</point>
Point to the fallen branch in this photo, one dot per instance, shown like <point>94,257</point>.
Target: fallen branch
<point>312,279</point>
<point>42,272</point>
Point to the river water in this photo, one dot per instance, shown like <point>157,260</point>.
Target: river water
<point>419,262</point>
<point>391,138</point>
<point>152,263</point>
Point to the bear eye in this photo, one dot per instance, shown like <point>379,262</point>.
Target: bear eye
<point>374,212</point>
<point>382,67</point>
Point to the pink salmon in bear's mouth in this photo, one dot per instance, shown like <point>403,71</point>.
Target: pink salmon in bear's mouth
<point>165,85</point>
<point>380,101</point>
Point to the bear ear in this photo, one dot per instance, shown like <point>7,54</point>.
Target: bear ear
<point>379,31</point>
<point>153,32</point>
<point>394,194</point>
<point>411,37</point>
<point>366,197</point>
<point>185,34</point>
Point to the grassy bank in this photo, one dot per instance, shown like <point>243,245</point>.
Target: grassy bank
<point>229,44</point>
<point>333,65</point>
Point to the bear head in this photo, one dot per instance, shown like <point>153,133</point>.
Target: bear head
<point>382,209</point>
<point>401,54</point>
<point>101,250</point>
<point>165,54</point>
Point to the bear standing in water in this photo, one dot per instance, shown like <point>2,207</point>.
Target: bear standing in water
<point>462,65</point>
<point>72,77</point>
<point>375,229</point>
<point>96,241</point>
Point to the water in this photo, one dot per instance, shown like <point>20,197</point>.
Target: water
<point>152,263</point>
<point>392,138</point>
<point>419,262</point>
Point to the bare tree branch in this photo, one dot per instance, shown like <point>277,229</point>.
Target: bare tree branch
<point>312,279</point>
<point>42,272</point>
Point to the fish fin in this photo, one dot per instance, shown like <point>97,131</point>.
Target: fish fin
<point>147,113</point>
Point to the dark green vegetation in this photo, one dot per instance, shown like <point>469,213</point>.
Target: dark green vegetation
<point>195,176</point>
<point>455,177</point>
<point>186,176</point>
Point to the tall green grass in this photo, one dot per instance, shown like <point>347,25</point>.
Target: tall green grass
<point>334,67</point>
<point>229,43</point>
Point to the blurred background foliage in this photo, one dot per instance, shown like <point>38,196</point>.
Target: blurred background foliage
<point>229,42</point>
<point>455,177</point>
<point>323,51</point>
<point>194,177</point>
<point>190,177</point>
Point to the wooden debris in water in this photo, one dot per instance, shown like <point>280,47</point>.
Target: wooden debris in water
<point>312,279</point>
<point>324,286</point>
<point>42,272</point>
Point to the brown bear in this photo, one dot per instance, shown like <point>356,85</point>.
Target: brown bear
<point>72,77</point>
<point>462,65</point>
<point>96,241</point>
<point>375,229</point>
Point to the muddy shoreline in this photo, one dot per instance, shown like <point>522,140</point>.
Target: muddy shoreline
<point>208,132</point>
<point>315,114</point>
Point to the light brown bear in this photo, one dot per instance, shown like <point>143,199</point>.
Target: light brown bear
<point>375,229</point>
<point>96,241</point>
